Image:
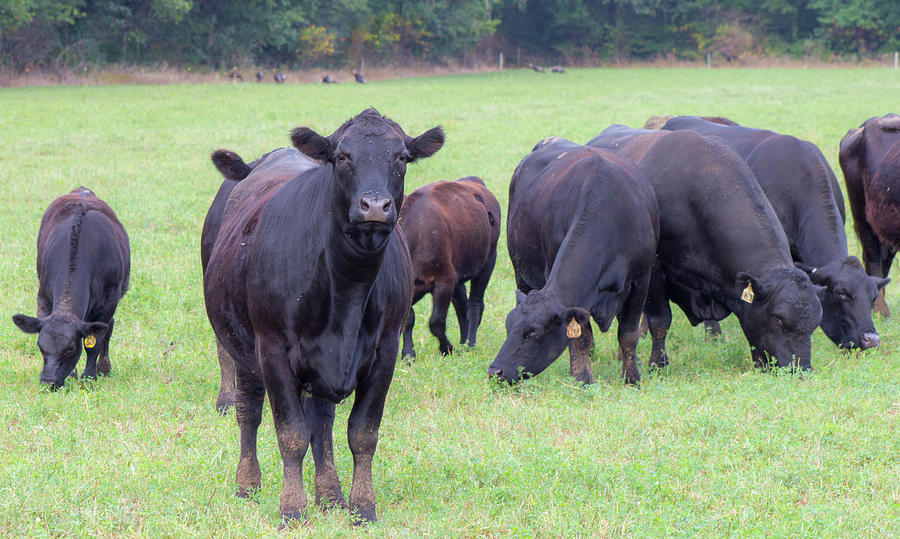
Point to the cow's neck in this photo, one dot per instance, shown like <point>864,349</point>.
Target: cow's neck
<point>568,281</point>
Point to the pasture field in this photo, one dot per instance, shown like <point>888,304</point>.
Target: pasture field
<point>708,447</point>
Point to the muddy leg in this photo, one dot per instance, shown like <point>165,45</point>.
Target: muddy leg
<point>291,424</point>
<point>321,418</point>
<point>103,363</point>
<point>363,424</point>
<point>248,403</point>
<point>629,330</point>
<point>659,318</point>
<point>580,355</point>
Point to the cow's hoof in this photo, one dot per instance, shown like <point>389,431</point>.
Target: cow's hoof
<point>661,363</point>
<point>363,516</point>
<point>243,492</point>
<point>634,380</point>
<point>291,520</point>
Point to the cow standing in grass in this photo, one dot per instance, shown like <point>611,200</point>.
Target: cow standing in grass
<point>307,288</point>
<point>809,204</point>
<point>452,230</point>
<point>582,229</point>
<point>83,266</point>
<point>870,159</point>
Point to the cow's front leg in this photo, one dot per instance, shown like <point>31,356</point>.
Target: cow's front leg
<point>103,363</point>
<point>363,424</point>
<point>291,425</point>
<point>321,418</point>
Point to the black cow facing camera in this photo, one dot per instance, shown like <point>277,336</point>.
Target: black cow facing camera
<point>83,265</point>
<point>307,287</point>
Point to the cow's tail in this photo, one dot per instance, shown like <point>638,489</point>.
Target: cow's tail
<point>230,165</point>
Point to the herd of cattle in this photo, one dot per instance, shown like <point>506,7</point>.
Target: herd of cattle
<point>312,259</point>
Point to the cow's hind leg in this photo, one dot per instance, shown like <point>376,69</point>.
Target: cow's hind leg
<point>248,404</point>
<point>460,305</point>
<point>443,290</point>
<point>409,350</point>
<point>226,379</point>
<point>476,297</point>
<point>659,318</point>
<point>321,419</point>
<point>292,426</point>
<point>629,331</point>
<point>363,424</point>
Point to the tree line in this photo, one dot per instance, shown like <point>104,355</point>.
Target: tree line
<point>64,34</point>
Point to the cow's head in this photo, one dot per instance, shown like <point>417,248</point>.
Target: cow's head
<point>59,339</point>
<point>847,302</point>
<point>537,331</point>
<point>780,310</point>
<point>369,154</point>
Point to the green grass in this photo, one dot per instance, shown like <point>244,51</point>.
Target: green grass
<point>709,447</point>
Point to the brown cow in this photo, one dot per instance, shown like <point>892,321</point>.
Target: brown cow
<point>451,228</point>
<point>870,159</point>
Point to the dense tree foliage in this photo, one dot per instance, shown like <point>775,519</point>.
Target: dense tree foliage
<point>304,33</point>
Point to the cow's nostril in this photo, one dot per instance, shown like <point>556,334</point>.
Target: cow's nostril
<point>869,340</point>
<point>494,371</point>
<point>386,207</point>
<point>363,204</point>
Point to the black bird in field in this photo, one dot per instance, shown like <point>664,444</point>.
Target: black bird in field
<point>539,69</point>
<point>279,77</point>
<point>557,69</point>
<point>234,75</point>
<point>328,79</point>
<point>259,76</point>
<point>359,77</point>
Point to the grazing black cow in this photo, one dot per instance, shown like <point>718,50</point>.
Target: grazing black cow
<point>805,195</point>
<point>721,247</point>
<point>259,76</point>
<point>870,159</point>
<point>359,77</point>
<point>279,78</point>
<point>234,75</point>
<point>582,229</point>
<point>328,79</point>
<point>451,229</point>
<point>233,169</point>
<point>83,265</point>
<point>307,288</point>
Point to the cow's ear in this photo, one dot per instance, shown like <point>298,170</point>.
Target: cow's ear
<point>850,142</point>
<point>28,324</point>
<point>751,289</point>
<point>426,144</point>
<point>96,329</point>
<point>520,296</point>
<point>577,320</point>
<point>879,282</point>
<point>230,165</point>
<point>312,144</point>
<point>812,272</point>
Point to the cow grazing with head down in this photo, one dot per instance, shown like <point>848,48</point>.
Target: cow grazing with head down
<point>307,288</point>
<point>451,229</point>
<point>721,247</point>
<point>807,198</point>
<point>870,159</point>
<point>582,229</point>
<point>83,265</point>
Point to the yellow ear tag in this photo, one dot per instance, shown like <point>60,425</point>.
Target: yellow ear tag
<point>573,330</point>
<point>90,341</point>
<point>747,294</point>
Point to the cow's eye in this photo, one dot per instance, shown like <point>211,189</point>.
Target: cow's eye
<point>530,333</point>
<point>403,158</point>
<point>340,158</point>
